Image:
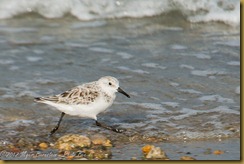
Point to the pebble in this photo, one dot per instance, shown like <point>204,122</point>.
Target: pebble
<point>152,152</point>
<point>72,142</point>
<point>15,150</point>
<point>146,149</point>
<point>74,147</point>
<point>187,158</point>
<point>82,159</point>
<point>43,145</point>
<point>218,152</point>
<point>99,139</point>
<point>98,154</point>
<point>70,157</point>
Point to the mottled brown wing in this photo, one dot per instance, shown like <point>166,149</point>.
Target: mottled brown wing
<point>77,95</point>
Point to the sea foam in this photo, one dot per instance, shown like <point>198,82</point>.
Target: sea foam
<point>194,11</point>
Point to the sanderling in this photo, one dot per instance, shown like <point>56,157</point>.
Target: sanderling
<point>86,100</point>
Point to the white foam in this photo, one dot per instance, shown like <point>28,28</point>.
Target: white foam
<point>237,90</point>
<point>191,91</point>
<point>206,11</point>
<point>203,56</point>
<point>47,38</point>
<point>124,55</point>
<point>130,125</point>
<point>38,51</point>
<point>6,61</point>
<point>79,45</point>
<point>153,106</point>
<point>216,98</point>
<point>186,66</point>
<point>33,58</point>
<point>174,84</point>
<point>185,112</point>
<point>27,93</point>
<point>232,43</point>
<point>194,11</point>
<point>153,65</point>
<point>171,104</point>
<point>100,49</point>
<point>234,63</point>
<point>154,98</point>
<point>178,47</point>
<point>13,68</point>
<point>225,109</point>
<point>139,71</point>
<point>197,135</point>
<point>105,60</point>
<point>20,123</point>
<point>207,72</point>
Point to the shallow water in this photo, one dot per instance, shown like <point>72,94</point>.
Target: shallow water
<point>183,78</point>
<point>200,150</point>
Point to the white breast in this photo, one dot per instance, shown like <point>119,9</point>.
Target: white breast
<point>87,110</point>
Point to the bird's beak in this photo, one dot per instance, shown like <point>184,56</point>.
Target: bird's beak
<point>123,92</point>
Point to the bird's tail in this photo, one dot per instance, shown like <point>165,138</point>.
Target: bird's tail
<point>44,99</point>
<point>38,99</point>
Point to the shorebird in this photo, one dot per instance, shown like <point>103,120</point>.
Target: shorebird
<point>86,100</point>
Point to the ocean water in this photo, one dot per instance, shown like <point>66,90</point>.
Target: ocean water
<point>180,63</point>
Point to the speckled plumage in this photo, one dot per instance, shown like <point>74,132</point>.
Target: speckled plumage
<point>86,100</point>
<point>84,94</point>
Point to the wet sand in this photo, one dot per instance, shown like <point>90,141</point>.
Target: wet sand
<point>120,147</point>
<point>200,150</point>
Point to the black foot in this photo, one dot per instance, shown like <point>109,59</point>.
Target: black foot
<point>53,131</point>
<point>110,127</point>
<point>57,126</point>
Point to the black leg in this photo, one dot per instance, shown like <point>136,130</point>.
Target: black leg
<point>109,127</point>
<point>57,126</point>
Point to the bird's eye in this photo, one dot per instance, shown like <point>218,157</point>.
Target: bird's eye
<point>109,83</point>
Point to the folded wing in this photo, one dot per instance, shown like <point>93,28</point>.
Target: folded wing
<point>78,95</point>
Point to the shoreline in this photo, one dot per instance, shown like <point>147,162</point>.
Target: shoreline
<point>209,149</point>
<point>198,149</point>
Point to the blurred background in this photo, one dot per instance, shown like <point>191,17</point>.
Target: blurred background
<point>179,61</point>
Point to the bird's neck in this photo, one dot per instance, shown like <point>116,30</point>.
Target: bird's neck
<point>108,96</point>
